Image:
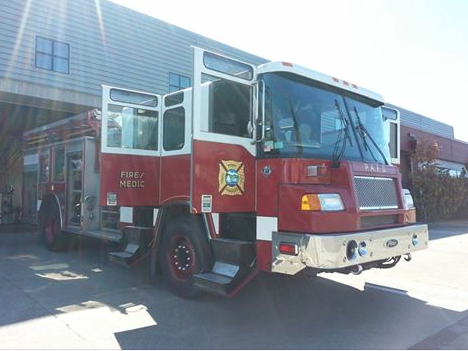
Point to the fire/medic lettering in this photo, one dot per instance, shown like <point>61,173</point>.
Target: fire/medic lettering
<point>231,178</point>
<point>132,183</point>
<point>131,175</point>
<point>129,179</point>
<point>375,168</point>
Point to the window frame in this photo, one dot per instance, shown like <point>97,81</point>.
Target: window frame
<point>106,100</point>
<point>52,55</point>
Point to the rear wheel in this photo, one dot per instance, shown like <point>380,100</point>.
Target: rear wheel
<point>185,251</point>
<point>52,235</point>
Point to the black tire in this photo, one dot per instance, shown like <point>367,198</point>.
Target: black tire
<point>185,251</point>
<point>51,234</point>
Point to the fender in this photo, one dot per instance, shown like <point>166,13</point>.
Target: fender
<point>167,213</point>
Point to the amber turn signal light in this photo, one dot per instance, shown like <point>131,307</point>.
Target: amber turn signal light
<point>310,202</point>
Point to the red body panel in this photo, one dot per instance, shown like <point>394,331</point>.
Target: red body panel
<point>135,179</point>
<point>208,158</point>
<point>279,194</point>
<point>175,178</point>
<point>283,171</point>
<point>264,255</point>
<point>293,219</point>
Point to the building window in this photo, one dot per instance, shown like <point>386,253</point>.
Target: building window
<point>178,82</point>
<point>52,55</point>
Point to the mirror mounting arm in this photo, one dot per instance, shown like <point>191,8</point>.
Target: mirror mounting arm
<point>260,122</point>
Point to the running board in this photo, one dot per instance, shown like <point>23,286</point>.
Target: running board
<point>137,240</point>
<point>233,267</point>
<point>114,237</point>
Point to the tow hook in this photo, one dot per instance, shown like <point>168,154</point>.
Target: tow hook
<point>358,270</point>
<point>407,257</point>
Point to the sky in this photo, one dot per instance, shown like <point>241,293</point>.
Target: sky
<point>413,52</point>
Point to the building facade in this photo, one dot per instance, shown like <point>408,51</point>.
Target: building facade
<point>55,55</point>
<point>415,128</point>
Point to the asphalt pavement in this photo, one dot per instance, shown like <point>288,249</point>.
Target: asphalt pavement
<point>78,300</point>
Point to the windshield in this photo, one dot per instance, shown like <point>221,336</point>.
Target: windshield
<point>307,119</point>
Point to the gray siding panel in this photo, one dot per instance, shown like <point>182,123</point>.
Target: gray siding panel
<point>133,50</point>
<point>114,46</point>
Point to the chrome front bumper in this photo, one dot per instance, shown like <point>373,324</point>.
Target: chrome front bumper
<point>328,252</point>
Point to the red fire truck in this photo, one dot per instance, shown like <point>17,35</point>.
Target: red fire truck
<point>275,168</point>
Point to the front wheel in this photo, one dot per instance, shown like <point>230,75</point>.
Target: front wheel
<point>185,251</point>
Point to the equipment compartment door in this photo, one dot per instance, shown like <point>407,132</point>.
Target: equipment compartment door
<point>131,148</point>
<point>74,188</point>
<point>30,184</point>
<point>91,213</point>
<point>223,153</point>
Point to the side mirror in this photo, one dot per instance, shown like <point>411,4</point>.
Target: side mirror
<point>391,121</point>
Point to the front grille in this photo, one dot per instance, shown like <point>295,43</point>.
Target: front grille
<point>376,221</point>
<point>375,193</point>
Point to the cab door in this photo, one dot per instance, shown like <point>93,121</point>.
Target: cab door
<point>130,148</point>
<point>176,146</point>
<point>223,151</point>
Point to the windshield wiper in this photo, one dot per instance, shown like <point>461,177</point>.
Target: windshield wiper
<point>296,127</point>
<point>338,153</point>
<point>364,134</point>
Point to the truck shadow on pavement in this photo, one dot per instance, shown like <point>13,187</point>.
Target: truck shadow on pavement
<point>110,306</point>
<point>277,312</point>
<point>447,229</point>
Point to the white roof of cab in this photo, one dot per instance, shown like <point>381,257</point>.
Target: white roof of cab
<point>320,77</point>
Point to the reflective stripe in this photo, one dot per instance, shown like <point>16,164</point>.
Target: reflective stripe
<point>215,217</point>
<point>155,216</point>
<point>126,214</point>
<point>265,227</point>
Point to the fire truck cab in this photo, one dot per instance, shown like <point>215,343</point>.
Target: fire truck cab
<point>275,168</point>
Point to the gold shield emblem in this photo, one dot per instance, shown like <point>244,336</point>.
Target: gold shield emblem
<point>231,178</point>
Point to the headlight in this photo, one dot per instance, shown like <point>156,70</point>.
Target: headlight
<point>408,200</point>
<point>331,202</point>
<point>322,202</point>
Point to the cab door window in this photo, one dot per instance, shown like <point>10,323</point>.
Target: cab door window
<point>133,128</point>
<point>174,129</point>
<point>230,108</point>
